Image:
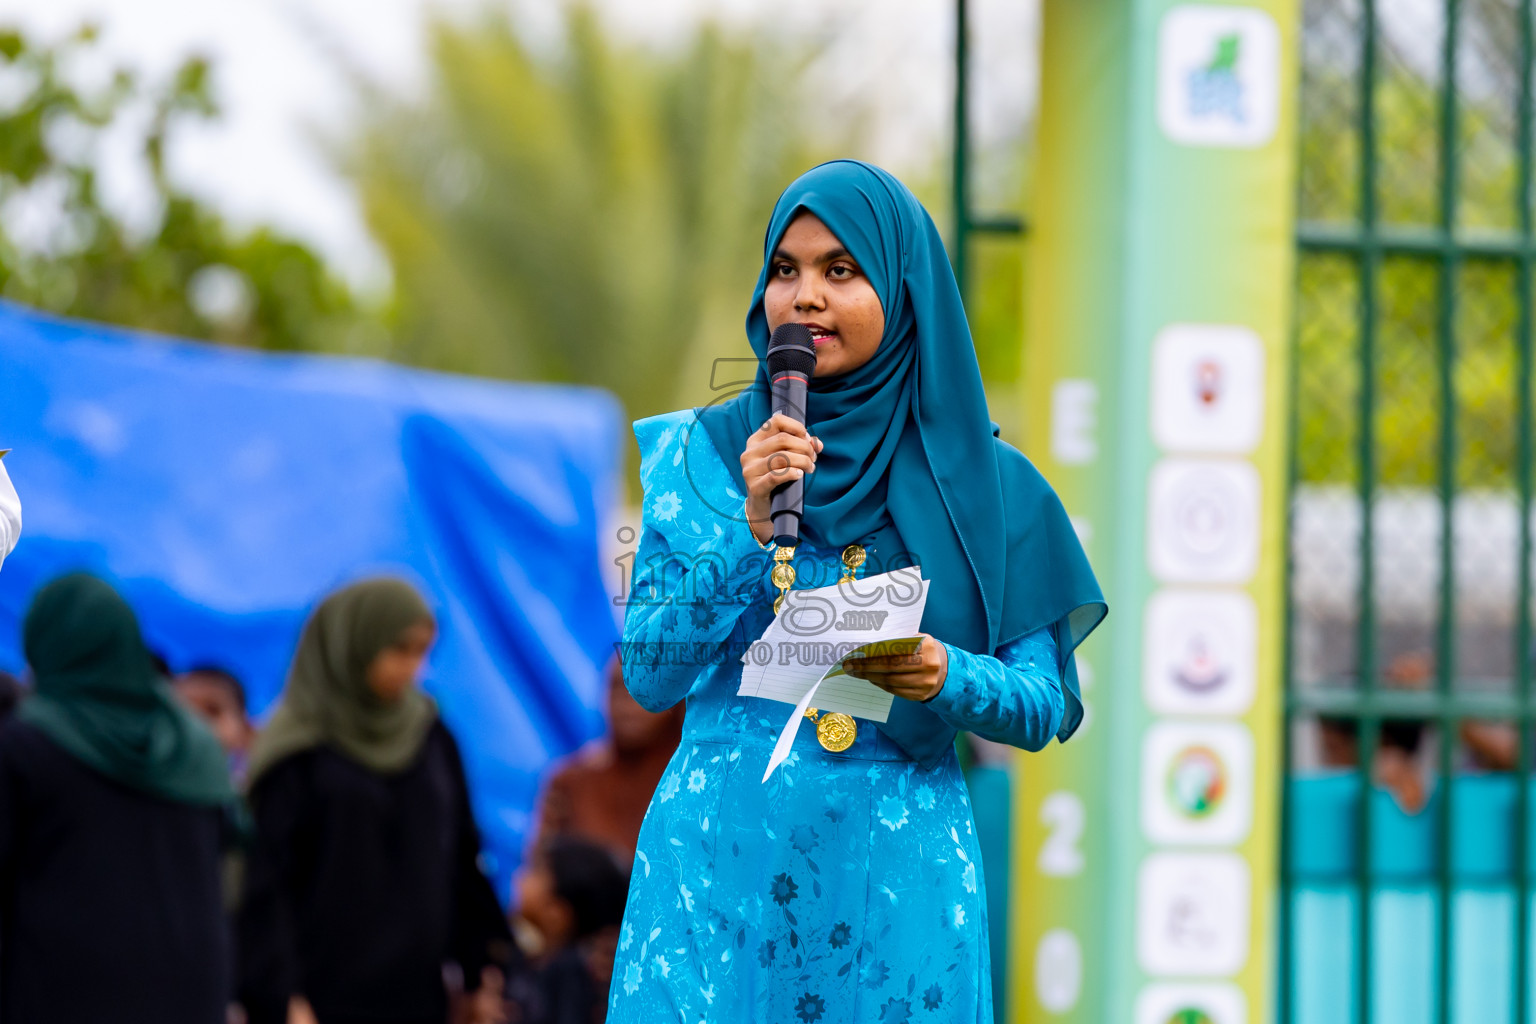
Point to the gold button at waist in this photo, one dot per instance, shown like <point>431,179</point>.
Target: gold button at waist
<point>835,731</point>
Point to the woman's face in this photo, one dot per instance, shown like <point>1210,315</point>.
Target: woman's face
<point>812,280</point>
<point>395,668</point>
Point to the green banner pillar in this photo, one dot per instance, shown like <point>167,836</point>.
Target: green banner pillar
<point>1159,291</point>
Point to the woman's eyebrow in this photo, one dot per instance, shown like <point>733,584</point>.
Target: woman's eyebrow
<point>838,253</point>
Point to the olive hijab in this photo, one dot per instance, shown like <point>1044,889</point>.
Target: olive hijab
<point>98,695</point>
<point>911,456</point>
<point>327,700</point>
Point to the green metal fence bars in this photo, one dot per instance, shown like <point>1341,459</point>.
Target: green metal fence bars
<point>1406,831</point>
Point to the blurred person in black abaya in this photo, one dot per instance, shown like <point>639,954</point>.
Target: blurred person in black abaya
<point>11,692</point>
<point>112,819</point>
<point>362,889</point>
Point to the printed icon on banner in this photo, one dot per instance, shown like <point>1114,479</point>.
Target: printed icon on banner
<point>1170,1003</point>
<point>1199,652</point>
<point>1058,971</point>
<point>1203,521</point>
<point>1061,855</point>
<point>1075,422</point>
<point>1218,76</point>
<point>1207,388</point>
<point>1192,913</point>
<point>1197,783</point>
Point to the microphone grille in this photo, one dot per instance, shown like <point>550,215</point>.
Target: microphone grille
<point>791,348</point>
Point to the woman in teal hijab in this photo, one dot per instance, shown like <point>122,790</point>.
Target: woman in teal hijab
<point>98,696</point>
<point>112,826</point>
<point>846,886</point>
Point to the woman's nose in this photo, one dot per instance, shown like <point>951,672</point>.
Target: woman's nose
<point>809,296</point>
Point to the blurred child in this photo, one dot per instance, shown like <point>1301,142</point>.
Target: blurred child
<point>1396,768</point>
<point>570,899</point>
<point>218,697</point>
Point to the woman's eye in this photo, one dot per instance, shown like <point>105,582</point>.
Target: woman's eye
<point>783,270</point>
<point>840,272</point>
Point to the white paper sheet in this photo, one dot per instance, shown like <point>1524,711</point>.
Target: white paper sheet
<point>815,631</point>
<point>798,659</point>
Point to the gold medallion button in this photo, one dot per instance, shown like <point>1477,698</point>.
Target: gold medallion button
<point>836,731</point>
<point>853,557</point>
<point>783,574</point>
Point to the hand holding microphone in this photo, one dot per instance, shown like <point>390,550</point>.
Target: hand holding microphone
<point>781,452</point>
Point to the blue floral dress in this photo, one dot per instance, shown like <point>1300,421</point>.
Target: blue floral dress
<point>848,887</point>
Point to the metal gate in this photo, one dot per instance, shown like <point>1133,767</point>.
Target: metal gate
<point>1409,630</point>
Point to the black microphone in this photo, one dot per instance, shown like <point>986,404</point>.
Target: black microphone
<point>791,363</point>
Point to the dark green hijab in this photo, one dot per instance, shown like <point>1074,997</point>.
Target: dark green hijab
<point>97,695</point>
<point>910,447</point>
<point>327,701</point>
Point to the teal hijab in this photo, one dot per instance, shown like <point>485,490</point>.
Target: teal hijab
<point>910,450</point>
<point>97,695</point>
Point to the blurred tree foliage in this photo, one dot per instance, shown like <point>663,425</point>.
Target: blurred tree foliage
<point>995,308</point>
<point>1408,391</point>
<point>585,212</point>
<point>186,272</point>
<point>589,211</point>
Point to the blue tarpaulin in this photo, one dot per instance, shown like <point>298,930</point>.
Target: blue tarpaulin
<point>226,491</point>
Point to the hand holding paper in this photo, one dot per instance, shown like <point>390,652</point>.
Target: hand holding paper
<point>915,671</point>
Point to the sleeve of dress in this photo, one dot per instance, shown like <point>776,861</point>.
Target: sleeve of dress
<point>481,936</point>
<point>695,571</point>
<point>1014,698</point>
<point>682,609</point>
<point>268,974</point>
